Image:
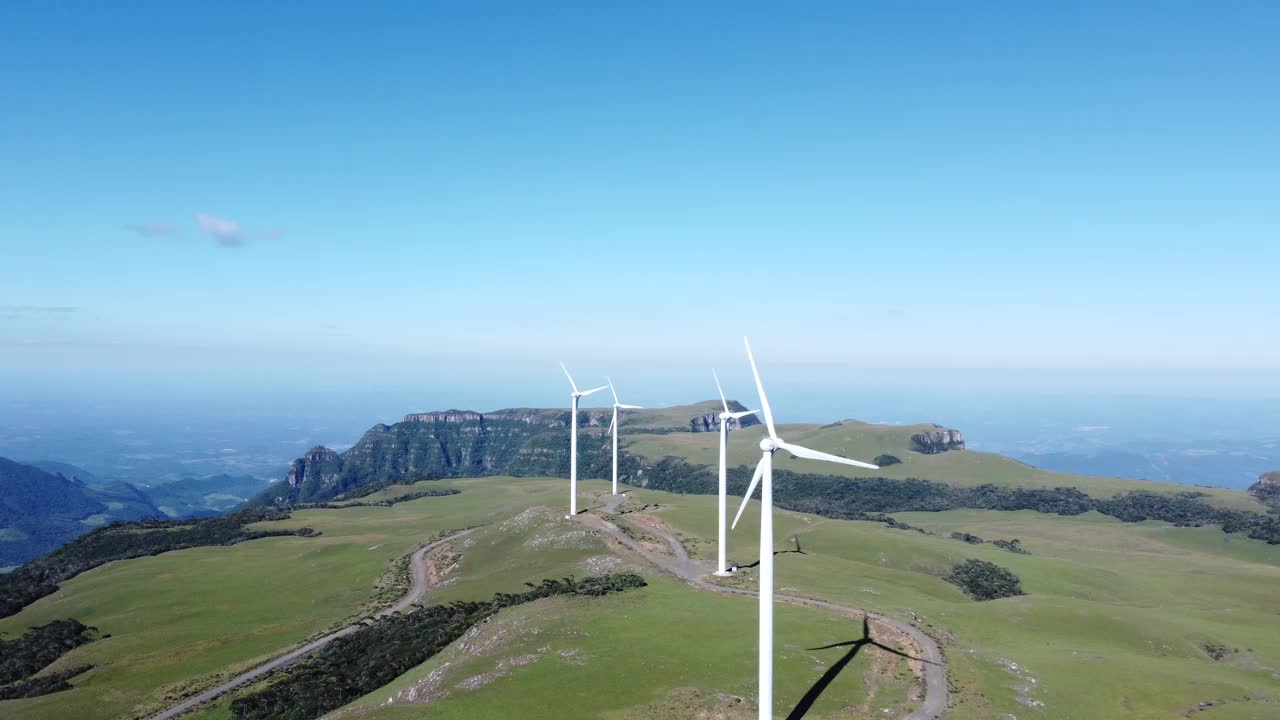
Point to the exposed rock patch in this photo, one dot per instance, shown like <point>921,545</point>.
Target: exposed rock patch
<point>710,422</point>
<point>937,441</point>
<point>1267,487</point>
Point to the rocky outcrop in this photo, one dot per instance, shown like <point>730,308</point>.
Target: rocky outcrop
<point>446,416</point>
<point>710,422</point>
<point>932,442</point>
<point>319,468</point>
<point>594,417</point>
<point>450,443</point>
<point>1267,488</point>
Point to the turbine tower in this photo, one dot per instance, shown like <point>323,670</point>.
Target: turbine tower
<point>764,470</point>
<point>614,430</point>
<point>573,440</point>
<point>721,510</point>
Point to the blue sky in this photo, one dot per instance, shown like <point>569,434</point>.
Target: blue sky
<point>245,196</point>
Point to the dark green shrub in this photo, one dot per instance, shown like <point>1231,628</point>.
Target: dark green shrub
<point>982,580</point>
<point>966,537</point>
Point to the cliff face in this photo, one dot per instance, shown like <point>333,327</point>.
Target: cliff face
<point>710,422</point>
<point>1268,487</point>
<point>452,443</point>
<point>319,469</point>
<point>937,441</point>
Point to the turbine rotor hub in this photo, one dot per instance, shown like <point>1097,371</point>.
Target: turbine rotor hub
<point>768,445</point>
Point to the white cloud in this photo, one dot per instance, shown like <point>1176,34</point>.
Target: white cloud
<point>226,233</point>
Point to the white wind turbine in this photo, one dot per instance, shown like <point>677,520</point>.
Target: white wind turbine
<point>614,430</point>
<point>721,510</point>
<point>768,447</point>
<point>573,440</point>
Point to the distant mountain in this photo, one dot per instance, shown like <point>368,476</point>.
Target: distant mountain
<point>451,443</point>
<point>124,501</point>
<point>40,511</point>
<point>670,448</point>
<point>201,497</point>
<point>67,470</point>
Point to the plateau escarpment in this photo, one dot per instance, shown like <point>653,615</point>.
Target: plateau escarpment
<point>462,443</point>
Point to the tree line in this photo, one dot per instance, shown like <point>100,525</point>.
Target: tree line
<point>859,499</point>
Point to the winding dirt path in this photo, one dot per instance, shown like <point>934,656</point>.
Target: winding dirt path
<point>417,590</point>
<point>935,669</point>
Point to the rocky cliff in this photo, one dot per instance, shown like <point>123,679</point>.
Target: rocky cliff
<point>710,422</point>
<point>451,443</point>
<point>1267,488</point>
<point>937,441</point>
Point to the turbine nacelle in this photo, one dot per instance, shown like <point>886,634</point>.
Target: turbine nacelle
<point>576,394</point>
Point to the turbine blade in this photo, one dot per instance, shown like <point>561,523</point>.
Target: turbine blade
<point>764,401</point>
<point>585,393</point>
<point>735,416</point>
<point>631,407</point>
<point>566,374</point>
<point>615,392</point>
<point>722,400</point>
<point>751,489</point>
<point>806,453</point>
<point>612,423</point>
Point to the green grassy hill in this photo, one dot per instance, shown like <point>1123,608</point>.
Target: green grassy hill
<point>1139,620</point>
<point>1119,620</point>
<point>1115,623</point>
<point>532,442</point>
<point>866,441</point>
<point>183,619</point>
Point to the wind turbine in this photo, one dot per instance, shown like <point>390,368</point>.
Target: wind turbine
<point>721,510</point>
<point>764,470</point>
<point>614,430</point>
<point>573,441</point>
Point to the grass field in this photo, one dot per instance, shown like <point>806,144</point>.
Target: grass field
<point>186,615</point>
<point>865,441</point>
<point>677,416</point>
<point>1115,623</point>
<point>181,616</point>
